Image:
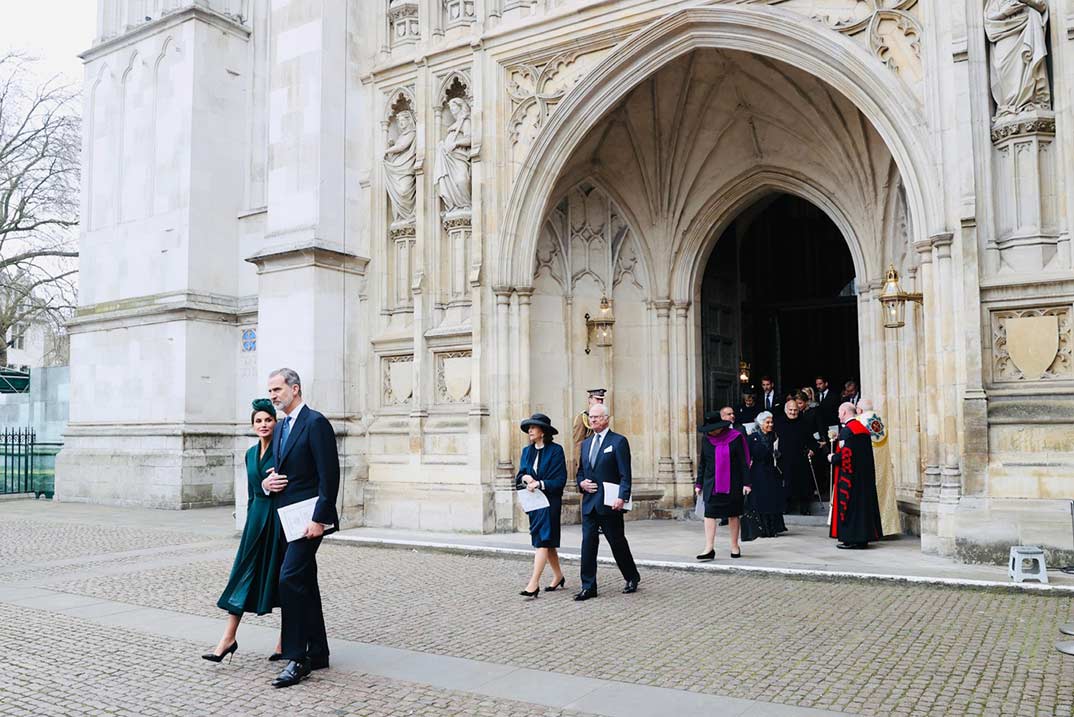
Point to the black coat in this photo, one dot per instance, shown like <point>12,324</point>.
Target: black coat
<point>795,440</point>
<point>723,505</point>
<point>769,494</point>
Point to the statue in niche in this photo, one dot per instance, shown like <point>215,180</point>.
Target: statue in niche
<point>452,173</point>
<point>399,162</point>
<point>1018,31</point>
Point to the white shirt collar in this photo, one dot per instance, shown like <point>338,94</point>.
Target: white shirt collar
<point>603,434</point>
<point>293,415</point>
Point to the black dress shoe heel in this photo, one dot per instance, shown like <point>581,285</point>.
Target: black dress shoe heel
<point>630,587</point>
<point>228,653</point>
<point>585,594</point>
<point>556,586</point>
<point>527,593</point>
<point>737,555</point>
<point>710,555</point>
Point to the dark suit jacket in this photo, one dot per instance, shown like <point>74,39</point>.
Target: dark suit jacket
<point>828,409</point>
<point>612,466</point>
<point>777,402</point>
<point>311,463</point>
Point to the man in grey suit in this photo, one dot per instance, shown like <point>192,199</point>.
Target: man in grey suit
<point>604,459</point>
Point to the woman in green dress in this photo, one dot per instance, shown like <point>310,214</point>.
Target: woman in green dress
<point>255,576</point>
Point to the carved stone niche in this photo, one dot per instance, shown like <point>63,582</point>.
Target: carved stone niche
<point>458,13</point>
<point>1027,204</point>
<point>454,187</point>
<point>403,21</point>
<point>397,383</point>
<point>1032,345</point>
<point>453,377</point>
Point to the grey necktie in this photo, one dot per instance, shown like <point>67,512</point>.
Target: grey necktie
<point>594,446</point>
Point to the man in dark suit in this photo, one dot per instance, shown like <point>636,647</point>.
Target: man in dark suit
<point>770,400</point>
<point>827,403</point>
<point>851,394</point>
<point>307,466</point>
<point>605,458</point>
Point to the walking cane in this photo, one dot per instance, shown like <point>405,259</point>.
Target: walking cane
<point>814,472</point>
<point>832,435</point>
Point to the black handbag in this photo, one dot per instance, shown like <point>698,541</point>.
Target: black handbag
<point>750,521</point>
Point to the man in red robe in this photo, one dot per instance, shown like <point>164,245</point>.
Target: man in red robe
<point>855,508</point>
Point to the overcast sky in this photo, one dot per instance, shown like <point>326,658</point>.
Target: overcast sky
<point>54,31</point>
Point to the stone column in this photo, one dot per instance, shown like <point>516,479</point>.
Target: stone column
<point>680,397</point>
<point>525,297</point>
<point>950,470</point>
<point>661,421</point>
<point>930,494</point>
<point>503,501</point>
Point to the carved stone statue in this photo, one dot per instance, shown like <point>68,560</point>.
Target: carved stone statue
<point>452,173</point>
<point>1017,30</point>
<point>399,161</point>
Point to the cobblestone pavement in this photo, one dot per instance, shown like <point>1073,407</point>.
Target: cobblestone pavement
<point>856,647</point>
<point>138,675</point>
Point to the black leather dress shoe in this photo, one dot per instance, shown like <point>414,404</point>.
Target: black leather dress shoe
<point>630,587</point>
<point>295,672</point>
<point>851,546</point>
<point>585,594</point>
<point>319,663</point>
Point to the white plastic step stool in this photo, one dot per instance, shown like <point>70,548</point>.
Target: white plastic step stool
<point>1020,555</point>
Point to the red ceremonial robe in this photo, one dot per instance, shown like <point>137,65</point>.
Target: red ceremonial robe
<point>855,509</point>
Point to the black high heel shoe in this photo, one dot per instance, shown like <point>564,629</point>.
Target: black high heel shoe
<point>275,657</point>
<point>738,554</point>
<point>228,653</point>
<point>710,555</point>
<point>556,586</point>
<point>527,593</point>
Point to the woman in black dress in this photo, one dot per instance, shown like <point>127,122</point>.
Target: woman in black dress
<point>255,576</point>
<point>723,479</point>
<point>769,497</point>
<point>543,467</point>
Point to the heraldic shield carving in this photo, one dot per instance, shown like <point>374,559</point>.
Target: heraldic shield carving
<point>1032,343</point>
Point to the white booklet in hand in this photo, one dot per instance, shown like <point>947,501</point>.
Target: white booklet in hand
<point>295,518</point>
<point>532,501</point>
<point>611,494</point>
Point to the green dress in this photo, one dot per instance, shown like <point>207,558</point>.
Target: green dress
<point>255,576</point>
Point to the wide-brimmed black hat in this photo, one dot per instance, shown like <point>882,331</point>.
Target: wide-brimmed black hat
<point>541,421</point>
<point>712,422</point>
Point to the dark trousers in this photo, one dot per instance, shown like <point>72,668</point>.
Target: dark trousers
<point>611,523</point>
<point>303,633</point>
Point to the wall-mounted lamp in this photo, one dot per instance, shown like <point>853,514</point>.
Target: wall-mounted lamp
<point>894,300</point>
<point>743,372</point>
<point>599,327</point>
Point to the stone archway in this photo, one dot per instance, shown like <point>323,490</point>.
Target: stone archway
<point>770,33</point>
<point>681,152</point>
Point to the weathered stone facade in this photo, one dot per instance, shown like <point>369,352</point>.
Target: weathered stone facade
<point>415,203</point>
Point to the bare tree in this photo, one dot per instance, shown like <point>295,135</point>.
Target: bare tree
<point>39,195</point>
